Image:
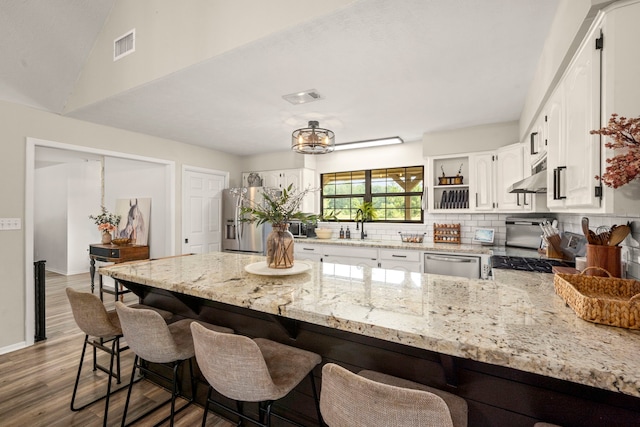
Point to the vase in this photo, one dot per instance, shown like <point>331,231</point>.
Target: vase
<point>106,237</point>
<point>280,247</point>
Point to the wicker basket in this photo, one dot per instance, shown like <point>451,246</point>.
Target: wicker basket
<point>607,300</point>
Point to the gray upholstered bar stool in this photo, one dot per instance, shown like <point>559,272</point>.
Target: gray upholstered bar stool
<point>251,370</point>
<point>152,340</point>
<point>371,398</point>
<point>100,327</point>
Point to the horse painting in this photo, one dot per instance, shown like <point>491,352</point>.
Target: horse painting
<point>136,227</point>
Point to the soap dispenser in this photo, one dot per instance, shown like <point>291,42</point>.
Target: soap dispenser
<point>341,232</point>
<point>348,233</point>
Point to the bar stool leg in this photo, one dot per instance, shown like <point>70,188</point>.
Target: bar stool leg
<point>206,407</point>
<point>316,400</point>
<point>126,404</point>
<point>174,391</point>
<point>75,387</point>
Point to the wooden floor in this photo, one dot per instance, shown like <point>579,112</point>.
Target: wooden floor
<point>36,382</point>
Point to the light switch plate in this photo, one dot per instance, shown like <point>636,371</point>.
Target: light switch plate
<point>10,223</point>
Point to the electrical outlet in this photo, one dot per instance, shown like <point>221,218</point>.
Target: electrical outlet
<point>10,223</point>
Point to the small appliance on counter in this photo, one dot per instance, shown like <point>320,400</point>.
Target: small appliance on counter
<point>524,238</point>
<point>301,229</point>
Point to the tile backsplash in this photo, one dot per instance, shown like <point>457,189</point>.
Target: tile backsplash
<point>469,222</point>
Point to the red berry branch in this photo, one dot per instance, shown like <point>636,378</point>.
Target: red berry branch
<point>625,166</point>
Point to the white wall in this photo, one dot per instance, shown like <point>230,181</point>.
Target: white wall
<point>50,217</point>
<point>65,195</point>
<point>83,190</point>
<point>470,139</point>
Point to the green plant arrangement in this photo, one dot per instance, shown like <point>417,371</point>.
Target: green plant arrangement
<point>106,221</point>
<point>278,207</point>
<point>368,212</point>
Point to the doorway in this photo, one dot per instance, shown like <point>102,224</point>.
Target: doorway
<point>165,243</point>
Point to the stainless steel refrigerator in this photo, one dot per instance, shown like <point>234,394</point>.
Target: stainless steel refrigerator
<point>242,236</point>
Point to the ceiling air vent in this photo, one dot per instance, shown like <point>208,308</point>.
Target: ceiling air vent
<point>303,97</point>
<point>124,45</point>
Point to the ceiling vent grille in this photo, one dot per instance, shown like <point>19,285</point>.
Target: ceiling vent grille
<point>124,45</point>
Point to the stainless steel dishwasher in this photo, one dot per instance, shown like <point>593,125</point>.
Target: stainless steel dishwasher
<point>452,264</point>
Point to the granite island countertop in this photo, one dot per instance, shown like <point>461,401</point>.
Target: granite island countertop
<point>516,320</point>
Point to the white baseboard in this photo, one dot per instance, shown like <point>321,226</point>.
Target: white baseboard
<point>13,347</point>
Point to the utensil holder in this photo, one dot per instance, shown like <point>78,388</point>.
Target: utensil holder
<point>606,257</point>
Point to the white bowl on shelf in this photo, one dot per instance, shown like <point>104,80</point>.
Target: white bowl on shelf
<point>323,233</point>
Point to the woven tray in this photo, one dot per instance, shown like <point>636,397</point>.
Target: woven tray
<point>607,300</point>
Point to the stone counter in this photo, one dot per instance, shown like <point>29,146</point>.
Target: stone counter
<point>398,244</point>
<point>515,321</point>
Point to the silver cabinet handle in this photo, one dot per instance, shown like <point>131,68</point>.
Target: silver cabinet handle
<point>308,249</point>
<point>398,256</point>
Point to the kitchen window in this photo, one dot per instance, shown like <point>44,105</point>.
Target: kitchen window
<point>394,193</point>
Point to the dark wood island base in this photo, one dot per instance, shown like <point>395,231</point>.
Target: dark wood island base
<point>497,396</point>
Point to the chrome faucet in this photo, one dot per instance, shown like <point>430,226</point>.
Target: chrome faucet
<point>360,214</point>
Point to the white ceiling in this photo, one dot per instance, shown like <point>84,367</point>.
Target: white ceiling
<point>385,68</point>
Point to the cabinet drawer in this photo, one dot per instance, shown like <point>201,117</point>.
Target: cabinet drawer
<point>306,249</point>
<point>105,252</point>
<point>390,254</point>
<point>350,251</point>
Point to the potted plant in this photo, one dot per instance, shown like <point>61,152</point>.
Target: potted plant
<point>278,208</point>
<point>107,223</point>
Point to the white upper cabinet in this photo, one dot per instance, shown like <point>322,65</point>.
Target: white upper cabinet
<point>299,179</point>
<point>509,167</point>
<point>482,179</point>
<point>574,154</point>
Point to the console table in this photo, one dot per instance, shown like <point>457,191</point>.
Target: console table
<point>115,254</point>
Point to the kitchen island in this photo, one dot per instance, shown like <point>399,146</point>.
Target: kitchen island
<point>509,346</point>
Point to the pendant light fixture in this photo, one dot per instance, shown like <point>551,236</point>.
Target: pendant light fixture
<point>313,140</point>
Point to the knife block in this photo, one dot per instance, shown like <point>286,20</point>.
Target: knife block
<point>606,257</point>
<point>554,249</point>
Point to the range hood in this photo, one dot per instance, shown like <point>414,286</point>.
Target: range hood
<point>536,183</point>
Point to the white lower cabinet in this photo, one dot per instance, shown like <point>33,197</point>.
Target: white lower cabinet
<point>392,259</point>
<point>307,252</point>
<point>400,260</point>
<point>350,255</point>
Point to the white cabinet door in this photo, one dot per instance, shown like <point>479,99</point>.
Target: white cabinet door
<point>482,181</point>
<point>510,169</point>
<point>574,154</point>
<point>581,114</point>
<point>271,179</point>
<point>556,148</point>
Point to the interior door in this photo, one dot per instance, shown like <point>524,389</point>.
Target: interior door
<point>202,211</point>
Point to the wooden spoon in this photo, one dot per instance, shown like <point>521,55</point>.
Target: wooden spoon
<point>585,229</point>
<point>592,238</point>
<point>618,235</point>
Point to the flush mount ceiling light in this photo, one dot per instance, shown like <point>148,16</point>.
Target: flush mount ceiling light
<point>303,97</point>
<point>369,143</point>
<point>313,140</point>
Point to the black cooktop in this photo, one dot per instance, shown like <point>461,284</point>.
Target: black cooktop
<point>541,265</point>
